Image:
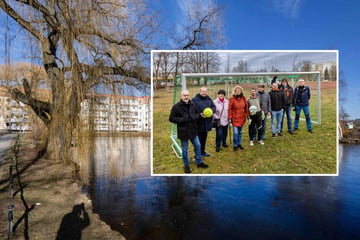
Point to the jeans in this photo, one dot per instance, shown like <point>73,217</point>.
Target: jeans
<point>221,135</point>
<point>202,139</point>
<point>185,148</point>
<point>307,116</point>
<point>287,112</point>
<point>278,115</point>
<point>237,136</point>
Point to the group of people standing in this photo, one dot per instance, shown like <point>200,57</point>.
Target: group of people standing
<point>193,125</point>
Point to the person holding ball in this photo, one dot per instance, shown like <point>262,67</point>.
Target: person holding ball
<point>203,101</point>
<point>185,115</point>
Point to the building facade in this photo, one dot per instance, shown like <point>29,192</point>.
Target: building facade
<point>117,113</point>
<point>103,112</point>
<point>14,116</point>
<point>328,70</point>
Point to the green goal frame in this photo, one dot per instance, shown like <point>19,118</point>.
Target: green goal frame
<point>190,81</point>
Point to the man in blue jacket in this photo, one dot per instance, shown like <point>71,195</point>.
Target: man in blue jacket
<point>202,101</point>
<point>301,102</point>
<point>185,114</point>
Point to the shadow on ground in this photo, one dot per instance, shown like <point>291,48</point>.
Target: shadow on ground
<point>73,223</point>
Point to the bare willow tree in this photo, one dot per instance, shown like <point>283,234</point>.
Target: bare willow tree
<point>82,44</point>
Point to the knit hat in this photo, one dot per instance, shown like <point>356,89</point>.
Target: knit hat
<point>222,92</point>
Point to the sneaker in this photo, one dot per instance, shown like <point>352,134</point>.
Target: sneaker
<point>291,132</point>
<point>202,165</point>
<point>251,143</point>
<point>261,142</point>
<point>280,134</point>
<point>310,131</point>
<point>273,135</point>
<point>295,129</point>
<point>263,138</point>
<point>205,154</point>
<point>225,145</point>
<point>235,149</point>
<point>241,147</point>
<point>187,169</point>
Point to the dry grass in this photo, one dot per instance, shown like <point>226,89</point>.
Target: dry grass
<point>51,185</point>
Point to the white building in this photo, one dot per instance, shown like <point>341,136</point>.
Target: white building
<point>117,113</point>
<point>329,67</point>
<point>350,125</point>
<point>14,115</point>
<point>109,113</point>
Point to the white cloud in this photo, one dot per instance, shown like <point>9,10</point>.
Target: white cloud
<point>289,8</point>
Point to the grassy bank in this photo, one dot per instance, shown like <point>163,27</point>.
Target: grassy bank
<point>48,197</point>
<point>301,153</point>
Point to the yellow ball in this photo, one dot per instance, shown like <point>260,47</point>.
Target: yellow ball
<point>208,112</point>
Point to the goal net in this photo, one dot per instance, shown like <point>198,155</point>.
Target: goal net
<point>227,81</point>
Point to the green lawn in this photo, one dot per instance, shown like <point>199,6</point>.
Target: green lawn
<point>301,153</point>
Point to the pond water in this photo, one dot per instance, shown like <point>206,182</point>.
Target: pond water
<point>144,207</point>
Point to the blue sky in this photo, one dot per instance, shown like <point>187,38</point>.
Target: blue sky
<point>290,25</point>
<point>281,25</point>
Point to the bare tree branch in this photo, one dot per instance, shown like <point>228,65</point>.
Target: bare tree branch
<point>43,109</point>
<point>25,24</point>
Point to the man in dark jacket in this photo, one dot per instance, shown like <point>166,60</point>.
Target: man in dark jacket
<point>202,101</point>
<point>265,106</point>
<point>301,102</point>
<point>185,114</point>
<point>288,92</point>
<point>277,98</point>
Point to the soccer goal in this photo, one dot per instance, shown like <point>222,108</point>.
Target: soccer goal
<point>227,81</point>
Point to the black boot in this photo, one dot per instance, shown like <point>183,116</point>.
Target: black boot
<point>202,165</point>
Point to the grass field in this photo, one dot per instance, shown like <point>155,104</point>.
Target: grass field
<point>301,153</point>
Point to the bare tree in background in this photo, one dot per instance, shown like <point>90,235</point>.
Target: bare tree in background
<point>343,115</point>
<point>164,65</point>
<point>201,62</point>
<point>242,66</point>
<point>228,64</point>
<point>82,44</point>
<point>302,66</point>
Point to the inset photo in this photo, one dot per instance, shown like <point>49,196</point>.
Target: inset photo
<point>245,112</point>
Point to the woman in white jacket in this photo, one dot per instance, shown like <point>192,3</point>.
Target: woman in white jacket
<point>221,117</point>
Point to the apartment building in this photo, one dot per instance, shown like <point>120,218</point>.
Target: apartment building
<point>14,116</point>
<point>105,112</point>
<point>117,113</point>
<point>327,70</point>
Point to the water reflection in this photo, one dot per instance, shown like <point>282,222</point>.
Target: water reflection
<point>121,157</point>
<point>143,207</point>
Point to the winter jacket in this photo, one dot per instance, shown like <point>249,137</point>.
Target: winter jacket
<point>277,100</point>
<point>221,112</point>
<point>265,101</point>
<point>238,111</point>
<point>185,116</point>
<point>204,124</point>
<point>301,96</point>
<point>288,91</point>
<point>254,102</point>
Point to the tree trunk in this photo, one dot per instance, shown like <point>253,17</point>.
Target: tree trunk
<point>59,139</point>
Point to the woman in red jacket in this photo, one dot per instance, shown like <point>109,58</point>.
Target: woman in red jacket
<point>238,111</point>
